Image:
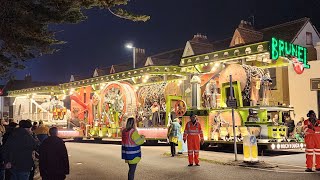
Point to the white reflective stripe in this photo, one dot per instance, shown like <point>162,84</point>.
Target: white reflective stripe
<point>317,149</point>
<point>193,130</point>
<point>309,154</point>
<point>309,149</point>
<point>131,152</point>
<point>317,153</point>
<point>128,145</point>
<point>190,150</point>
<point>196,150</point>
<point>193,134</point>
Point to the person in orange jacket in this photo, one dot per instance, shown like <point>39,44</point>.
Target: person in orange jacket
<point>194,136</point>
<point>312,139</point>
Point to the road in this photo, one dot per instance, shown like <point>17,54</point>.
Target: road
<point>103,161</point>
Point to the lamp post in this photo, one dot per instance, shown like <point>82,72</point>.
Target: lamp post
<point>130,46</point>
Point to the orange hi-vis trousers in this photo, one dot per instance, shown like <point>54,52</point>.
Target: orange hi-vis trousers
<point>312,141</point>
<point>193,148</point>
<point>193,133</point>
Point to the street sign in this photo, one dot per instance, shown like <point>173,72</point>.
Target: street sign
<point>232,103</point>
<point>315,84</point>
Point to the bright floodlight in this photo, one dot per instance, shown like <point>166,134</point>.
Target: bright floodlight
<point>129,45</point>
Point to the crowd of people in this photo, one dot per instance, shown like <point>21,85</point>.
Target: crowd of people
<point>26,147</point>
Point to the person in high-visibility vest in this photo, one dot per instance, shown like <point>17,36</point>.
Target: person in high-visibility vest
<point>173,135</point>
<point>131,150</point>
<point>312,139</point>
<point>194,136</point>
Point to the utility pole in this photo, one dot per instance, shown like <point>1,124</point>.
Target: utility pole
<point>233,104</point>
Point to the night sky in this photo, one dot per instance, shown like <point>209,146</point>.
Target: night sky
<point>99,41</point>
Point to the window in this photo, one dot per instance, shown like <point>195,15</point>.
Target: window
<point>274,78</point>
<point>309,38</point>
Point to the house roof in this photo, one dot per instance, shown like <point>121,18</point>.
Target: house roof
<point>201,48</point>
<point>78,77</point>
<point>24,84</point>
<point>172,57</point>
<point>103,71</point>
<point>221,44</point>
<point>250,36</point>
<point>121,67</point>
<point>286,31</point>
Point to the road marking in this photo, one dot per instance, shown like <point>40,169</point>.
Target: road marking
<point>79,163</point>
<point>281,171</point>
<point>287,165</point>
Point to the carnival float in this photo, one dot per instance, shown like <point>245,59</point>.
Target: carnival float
<point>98,107</point>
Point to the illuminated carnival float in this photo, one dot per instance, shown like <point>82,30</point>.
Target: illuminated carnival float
<point>98,107</point>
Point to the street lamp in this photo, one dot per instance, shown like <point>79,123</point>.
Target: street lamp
<point>130,46</point>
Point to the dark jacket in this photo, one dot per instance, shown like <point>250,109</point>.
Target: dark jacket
<point>18,150</point>
<point>53,159</point>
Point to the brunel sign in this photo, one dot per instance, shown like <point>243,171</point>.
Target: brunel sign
<point>297,54</point>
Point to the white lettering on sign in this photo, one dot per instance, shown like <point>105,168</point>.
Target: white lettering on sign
<point>291,146</point>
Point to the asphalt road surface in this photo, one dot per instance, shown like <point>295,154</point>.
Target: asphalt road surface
<point>103,161</point>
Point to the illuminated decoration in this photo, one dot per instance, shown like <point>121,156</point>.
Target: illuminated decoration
<point>59,113</point>
<point>180,108</point>
<point>68,133</point>
<point>153,133</point>
<point>297,54</point>
<point>257,48</point>
<point>287,146</point>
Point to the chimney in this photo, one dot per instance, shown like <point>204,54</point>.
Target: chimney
<point>140,55</point>
<point>318,50</point>
<point>245,25</point>
<point>200,38</point>
<point>28,78</point>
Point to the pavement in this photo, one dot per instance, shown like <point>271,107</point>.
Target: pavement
<point>92,160</point>
<point>291,161</point>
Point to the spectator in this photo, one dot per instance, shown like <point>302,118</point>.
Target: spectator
<point>18,151</point>
<point>9,129</point>
<point>299,130</point>
<point>36,151</point>
<point>2,130</point>
<point>53,160</point>
<point>2,169</point>
<point>42,132</point>
<point>174,132</point>
<point>290,124</point>
<point>34,126</point>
